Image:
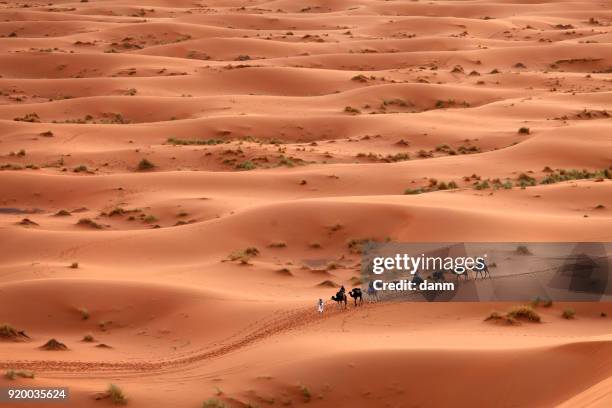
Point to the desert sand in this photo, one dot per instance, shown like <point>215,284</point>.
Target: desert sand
<point>182,180</point>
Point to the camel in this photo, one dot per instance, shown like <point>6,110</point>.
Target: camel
<point>484,272</point>
<point>355,293</point>
<point>339,298</point>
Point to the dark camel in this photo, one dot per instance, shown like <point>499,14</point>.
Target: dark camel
<point>355,293</point>
<point>339,298</point>
<point>484,272</point>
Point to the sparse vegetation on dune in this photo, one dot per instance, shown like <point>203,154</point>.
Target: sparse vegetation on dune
<point>244,256</point>
<point>84,313</point>
<point>568,313</point>
<point>14,374</point>
<point>145,165</point>
<point>523,250</point>
<point>515,315</point>
<point>89,223</point>
<point>8,332</point>
<point>54,345</point>
<point>306,395</point>
<point>213,403</point>
<point>195,142</point>
<point>114,394</point>
<point>524,313</point>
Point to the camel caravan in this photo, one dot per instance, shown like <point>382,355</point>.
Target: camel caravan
<point>341,297</point>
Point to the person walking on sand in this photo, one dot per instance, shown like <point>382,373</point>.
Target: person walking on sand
<point>320,306</point>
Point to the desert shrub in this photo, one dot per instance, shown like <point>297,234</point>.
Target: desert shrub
<point>412,191</point>
<point>351,110</point>
<point>213,403</point>
<point>277,245</point>
<point>568,313</point>
<point>116,395</point>
<point>244,256</point>
<point>522,250</point>
<point>355,246</point>
<point>29,117</point>
<point>88,222</point>
<point>537,301</point>
<point>482,185</point>
<point>149,219</point>
<point>524,131</point>
<point>246,165</point>
<point>54,345</point>
<point>74,265</point>
<point>524,312</point>
<point>305,393</point>
<point>187,142</point>
<point>145,165</point>
<point>8,332</point>
<point>88,338</point>
<point>13,374</point>
<point>80,169</point>
<point>468,149</point>
<point>84,313</point>
<point>501,318</point>
<point>525,180</point>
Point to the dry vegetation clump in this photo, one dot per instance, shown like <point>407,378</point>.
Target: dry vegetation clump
<point>568,313</point>
<point>246,165</point>
<point>351,110</point>
<point>244,256</point>
<point>498,317</point>
<point>28,117</point>
<point>277,245</point>
<point>8,332</point>
<point>114,394</point>
<point>84,313</point>
<point>305,393</point>
<point>145,165</point>
<point>54,345</point>
<point>196,142</point>
<point>541,302</point>
<point>14,374</point>
<point>515,315</point>
<point>27,222</point>
<point>284,272</point>
<point>522,250</point>
<point>213,403</point>
<point>524,131</point>
<point>88,222</point>
<point>524,313</point>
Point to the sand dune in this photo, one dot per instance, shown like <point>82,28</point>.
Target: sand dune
<point>146,147</point>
